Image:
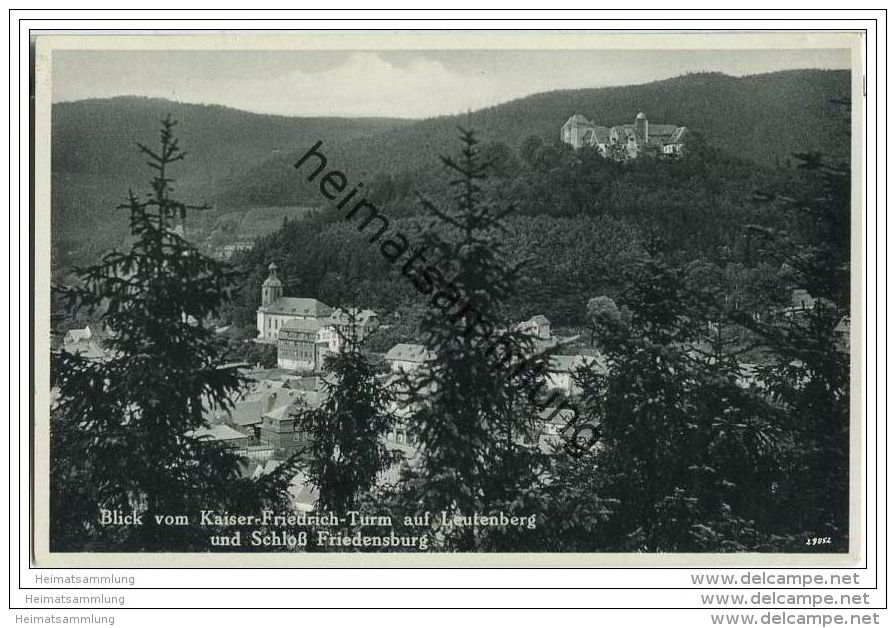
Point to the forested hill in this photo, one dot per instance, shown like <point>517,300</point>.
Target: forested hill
<point>97,137</point>
<point>578,220</point>
<point>242,160</point>
<point>764,118</point>
<point>95,161</point>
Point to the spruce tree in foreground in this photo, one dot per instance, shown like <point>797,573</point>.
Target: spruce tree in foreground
<point>123,429</point>
<point>346,449</point>
<point>470,412</point>
<point>687,455</point>
<point>810,370</point>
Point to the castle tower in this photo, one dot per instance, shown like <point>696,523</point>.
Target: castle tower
<point>272,288</point>
<point>641,126</point>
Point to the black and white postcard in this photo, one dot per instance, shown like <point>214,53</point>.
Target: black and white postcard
<point>448,299</point>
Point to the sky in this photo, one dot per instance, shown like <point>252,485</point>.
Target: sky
<point>403,84</point>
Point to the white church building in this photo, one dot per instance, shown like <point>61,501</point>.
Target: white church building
<point>276,310</point>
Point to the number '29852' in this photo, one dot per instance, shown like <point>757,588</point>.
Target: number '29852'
<point>819,540</point>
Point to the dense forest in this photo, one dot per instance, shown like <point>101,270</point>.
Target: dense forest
<point>94,164</point>
<point>678,268</point>
<point>577,220</point>
<point>240,161</point>
<point>763,118</point>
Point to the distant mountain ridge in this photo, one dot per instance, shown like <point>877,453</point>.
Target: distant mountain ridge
<point>239,160</point>
<point>95,161</point>
<point>764,118</point>
<point>97,136</point>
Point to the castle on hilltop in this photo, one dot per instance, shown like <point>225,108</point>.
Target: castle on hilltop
<point>626,141</point>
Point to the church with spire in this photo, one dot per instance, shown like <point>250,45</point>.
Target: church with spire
<point>277,310</point>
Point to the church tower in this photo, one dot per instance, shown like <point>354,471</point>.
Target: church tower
<point>272,288</point>
<point>641,127</point>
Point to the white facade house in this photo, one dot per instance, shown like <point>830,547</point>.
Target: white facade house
<point>538,326</point>
<point>338,327</point>
<point>75,336</point>
<point>562,370</point>
<point>406,358</point>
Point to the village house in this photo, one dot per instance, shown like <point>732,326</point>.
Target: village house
<point>841,332</point>
<point>223,434</point>
<point>297,345</point>
<point>626,141</point>
<point>245,417</point>
<point>800,302</point>
<point>562,370</point>
<point>399,437</point>
<point>406,358</point>
<point>339,326</point>
<point>329,339</point>
<point>262,468</point>
<point>554,424</point>
<point>227,251</point>
<point>76,336</point>
<point>538,327</point>
<point>279,429</point>
<point>250,405</point>
<point>276,310</point>
<point>86,343</point>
